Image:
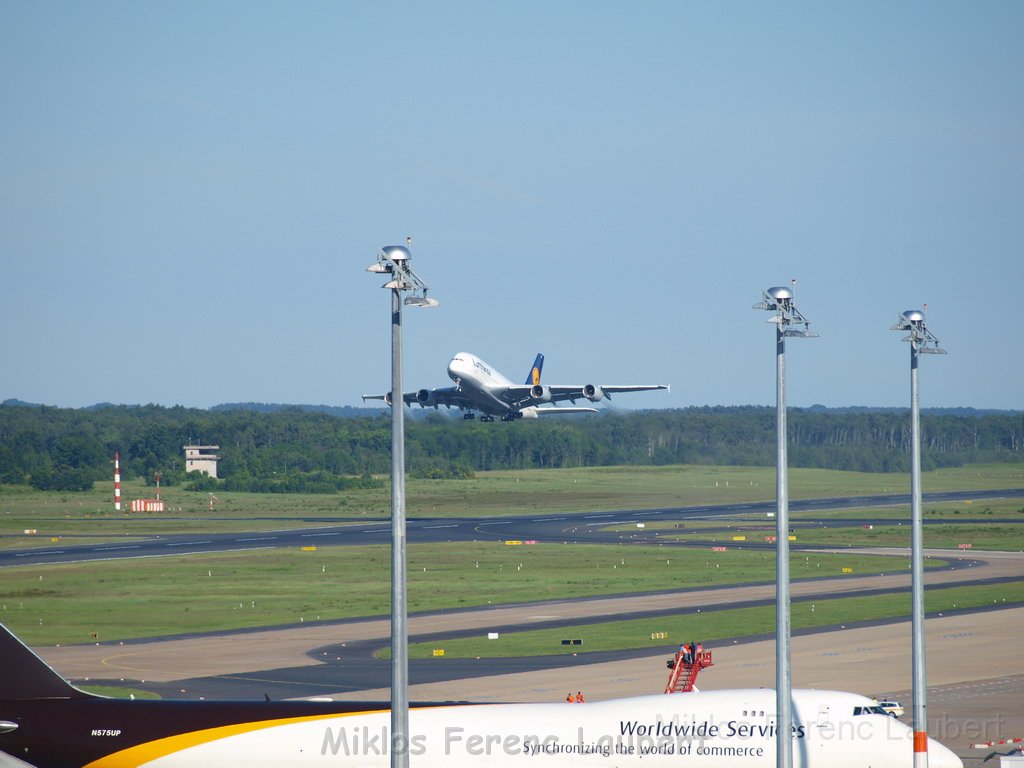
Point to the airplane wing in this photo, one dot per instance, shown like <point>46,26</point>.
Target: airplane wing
<point>554,393</point>
<point>9,761</point>
<point>449,397</point>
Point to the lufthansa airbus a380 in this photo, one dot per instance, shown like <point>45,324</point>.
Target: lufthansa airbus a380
<point>47,723</point>
<point>481,387</point>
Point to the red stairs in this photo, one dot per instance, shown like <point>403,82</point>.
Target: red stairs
<point>684,673</point>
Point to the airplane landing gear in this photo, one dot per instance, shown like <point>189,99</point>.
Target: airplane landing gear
<point>486,417</point>
<point>469,416</point>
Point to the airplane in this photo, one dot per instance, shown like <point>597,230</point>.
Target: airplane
<point>45,722</point>
<point>481,387</point>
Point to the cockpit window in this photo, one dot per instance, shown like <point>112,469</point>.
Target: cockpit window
<point>874,710</point>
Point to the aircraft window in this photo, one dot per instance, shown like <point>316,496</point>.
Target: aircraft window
<point>869,711</point>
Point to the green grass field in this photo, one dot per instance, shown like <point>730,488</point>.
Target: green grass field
<point>709,626</point>
<point>489,493</point>
<point>967,507</point>
<point>158,596</point>
<point>138,598</point>
<point>979,533</point>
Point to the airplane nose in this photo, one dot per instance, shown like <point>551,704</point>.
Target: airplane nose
<point>940,756</point>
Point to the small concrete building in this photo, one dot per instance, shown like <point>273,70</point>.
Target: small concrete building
<point>202,458</point>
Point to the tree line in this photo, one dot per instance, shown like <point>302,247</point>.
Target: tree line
<point>294,450</point>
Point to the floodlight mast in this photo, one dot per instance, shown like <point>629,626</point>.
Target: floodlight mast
<point>788,323</point>
<point>394,260</point>
<point>922,342</point>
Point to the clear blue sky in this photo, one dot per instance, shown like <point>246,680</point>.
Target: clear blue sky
<point>190,192</point>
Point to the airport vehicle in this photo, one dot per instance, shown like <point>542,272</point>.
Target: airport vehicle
<point>481,387</point>
<point>47,723</point>
<point>893,708</point>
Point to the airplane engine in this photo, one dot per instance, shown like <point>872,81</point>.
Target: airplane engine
<point>540,392</point>
<point>529,412</point>
<point>593,393</point>
<point>426,398</point>
<point>387,398</point>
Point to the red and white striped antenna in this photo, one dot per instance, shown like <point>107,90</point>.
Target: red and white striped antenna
<point>117,481</point>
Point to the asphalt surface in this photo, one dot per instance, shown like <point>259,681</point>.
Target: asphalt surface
<point>354,666</point>
<point>567,527</point>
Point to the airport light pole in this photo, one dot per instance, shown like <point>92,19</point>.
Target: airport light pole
<point>922,342</point>
<point>788,323</point>
<point>394,261</point>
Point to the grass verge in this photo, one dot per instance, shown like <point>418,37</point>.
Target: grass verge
<point>120,599</point>
<point>708,626</point>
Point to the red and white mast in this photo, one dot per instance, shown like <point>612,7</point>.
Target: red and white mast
<point>117,481</point>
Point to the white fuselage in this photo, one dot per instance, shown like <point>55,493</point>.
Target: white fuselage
<point>479,382</point>
<point>697,730</point>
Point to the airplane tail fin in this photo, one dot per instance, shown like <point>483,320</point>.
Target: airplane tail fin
<point>26,676</point>
<point>533,377</point>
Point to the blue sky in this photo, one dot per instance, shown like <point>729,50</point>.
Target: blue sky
<point>191,193</point>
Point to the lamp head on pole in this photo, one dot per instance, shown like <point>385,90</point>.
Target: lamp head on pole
<point>394,260</point>
<point>920,338</point>
<point>780,301</point>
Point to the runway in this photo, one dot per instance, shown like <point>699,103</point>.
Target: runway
<point>579,527</point>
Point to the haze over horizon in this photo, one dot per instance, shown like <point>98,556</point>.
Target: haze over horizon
<point>191,194</point>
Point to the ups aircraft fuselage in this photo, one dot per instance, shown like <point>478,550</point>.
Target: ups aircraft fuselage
<point>47,723</point>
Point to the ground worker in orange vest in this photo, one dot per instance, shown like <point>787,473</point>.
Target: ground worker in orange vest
<point>579,697</point>
<point>569,698</point>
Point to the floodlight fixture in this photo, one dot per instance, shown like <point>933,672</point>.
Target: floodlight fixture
<point>394,260</point>
<point>921,339</point>
<point>791,322</point>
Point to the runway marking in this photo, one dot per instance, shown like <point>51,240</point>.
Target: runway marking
<point>105,549</point>
<point>188,543</point>
<point>259,538</point>
<point>453,525</point>
<point>311,535</point>
<point>374,530</point>
<point>40,554</point>
<point>112,558</point>
<point>546,519</point>
<point>506,522</point>
<point>588,517</point>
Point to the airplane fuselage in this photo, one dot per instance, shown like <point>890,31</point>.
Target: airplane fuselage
<point>697,730</point>
<point>480,382</point>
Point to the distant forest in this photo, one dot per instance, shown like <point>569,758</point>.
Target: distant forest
<point>304,449</point>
